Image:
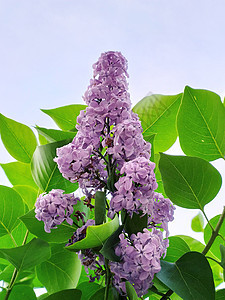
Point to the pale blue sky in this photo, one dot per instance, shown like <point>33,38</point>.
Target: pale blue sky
<point>47,48</point>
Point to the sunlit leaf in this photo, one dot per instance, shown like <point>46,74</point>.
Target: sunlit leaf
<point>19,173</point>
<point>189,182</point>
<point>197,223</point>
<point>201,124</point>
<point>54,135</point>
<point>65,117</point>
<point>60,271</point>
<point>18,139</point>
<point>158,116</point>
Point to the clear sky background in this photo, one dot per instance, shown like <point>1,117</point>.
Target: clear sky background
<point>47,48</point>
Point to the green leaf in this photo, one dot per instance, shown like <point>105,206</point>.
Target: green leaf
<point>190,277</point>
<point>201,124</point>
<point>42,140</point>
<point>88,289</point>
<point>158,116</point>
<point>134,224</point>
<point>12,207</point>
<point>27,256</point>
<point>54,135</point>
<point>57,235</point>
<point>18,139</point>
<point>27,193</point>
<point>108,249</point>
<point>177,248</point>
<point>19,173</point>
<point>195,245</point>
<point>197,223</point>
<point>131,293</point>
<point>69,294</point>
<point>61,271</point>
<point>189,182</point>
<point>96,235</point>
<point>24,277</point>
<point>220,294</point>
<point>20,292</point>
<point>45,171</point>
<point>215,248</point>
<point>100,209</point>
<point>65,117</point>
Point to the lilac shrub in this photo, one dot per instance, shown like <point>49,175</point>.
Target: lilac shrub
<point>110,154</point>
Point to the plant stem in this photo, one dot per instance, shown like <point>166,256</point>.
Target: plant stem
<point>215,233</point>
<point>207,220</point>
<point>107,279</point>
<point>15,272</point>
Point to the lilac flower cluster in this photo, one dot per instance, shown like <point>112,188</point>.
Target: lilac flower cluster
<point>109,145</point>
<point>54,208</point>
<point>108,104</point>
<point>140,260</point>
<point>135,190</point>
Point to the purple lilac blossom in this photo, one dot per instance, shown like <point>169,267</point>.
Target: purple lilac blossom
<point>135,189</point>
<point>54,208</point>
<point>140,260</point>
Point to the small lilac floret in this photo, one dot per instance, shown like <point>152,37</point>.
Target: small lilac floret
<point>54,208</point>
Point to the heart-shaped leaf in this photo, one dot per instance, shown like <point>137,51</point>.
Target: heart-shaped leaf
<point>18,139</point>
<point>65,117</point>
<point>158,116</point>
<point>197,223</point>
<point>45,171</point>
<point>201,124</point>
<point>185,180</point>
<point>190,277</point>
<point>62,267</point>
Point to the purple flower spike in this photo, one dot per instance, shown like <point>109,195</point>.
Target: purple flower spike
<point>54,208</point>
